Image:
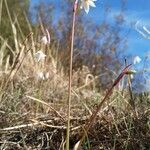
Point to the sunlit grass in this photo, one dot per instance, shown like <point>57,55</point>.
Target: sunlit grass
<point>34,105</point>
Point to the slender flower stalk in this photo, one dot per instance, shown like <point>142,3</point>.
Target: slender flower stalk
<point>70,74</point>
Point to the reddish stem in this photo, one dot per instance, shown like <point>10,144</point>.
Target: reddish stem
<point>70,73</point>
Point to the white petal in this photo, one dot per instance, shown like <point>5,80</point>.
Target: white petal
<point>81,6</point>
<point>86,8</point>
<point>40,76</point>
<point>131,76</point>
<point>47,75</point>
<point>39,56</point>
<point>44,40</point>
<point>136,60</point>
<point>91,3</point>
<point>86,4</point>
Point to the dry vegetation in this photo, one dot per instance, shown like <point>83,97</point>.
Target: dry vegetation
<point>33,111</point>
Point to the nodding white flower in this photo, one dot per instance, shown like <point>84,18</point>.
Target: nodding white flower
<point>44,40</point>
<point>131,73</point>
<point>39,55</point>
<point>40,76</point>
<point>47,75</point>
<point>86,5</point>
<point>136,60</point>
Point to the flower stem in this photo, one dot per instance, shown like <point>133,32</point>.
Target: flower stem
<point>70,74</point>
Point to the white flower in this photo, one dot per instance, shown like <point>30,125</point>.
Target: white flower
<point>136,60</point>
<point>131,73</point>
<point>40,76</point>
<point>39,55</point>
<point>86,4</point>
<point>44,40</point>
<point>47,75</point>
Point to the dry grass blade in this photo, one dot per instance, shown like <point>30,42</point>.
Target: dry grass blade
<point>35,123</point>
<point>61,99</point>
<point>1,2</point>
<point>8,46</point>
<point>42,102</point>
<point>18,61</point>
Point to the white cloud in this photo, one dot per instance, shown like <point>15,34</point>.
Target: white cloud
<point>131,17</point>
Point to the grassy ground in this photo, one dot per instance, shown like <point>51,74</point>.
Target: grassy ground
<point>33,108</point>
<point>33,111</point>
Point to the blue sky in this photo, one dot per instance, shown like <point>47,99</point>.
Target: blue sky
<point>136,10</point>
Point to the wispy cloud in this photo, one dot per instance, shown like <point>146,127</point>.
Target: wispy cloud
<point>131,17</point>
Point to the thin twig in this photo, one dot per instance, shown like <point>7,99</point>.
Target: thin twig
<point>40,101</point>
<point>36,123</point>
<point>39,123</point>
